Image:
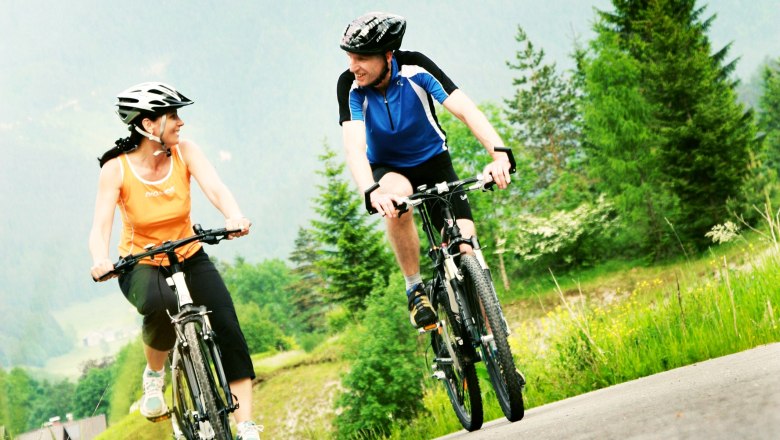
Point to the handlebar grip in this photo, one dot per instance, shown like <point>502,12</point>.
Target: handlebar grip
<point>105,277</point>
<point>403,207</point>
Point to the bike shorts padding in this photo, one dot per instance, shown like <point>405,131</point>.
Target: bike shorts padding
<point>146,289</point>
<point>435,170</point>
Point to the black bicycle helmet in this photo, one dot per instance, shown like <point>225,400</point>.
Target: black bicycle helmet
<point>374,33</point>
<point>149,97</point>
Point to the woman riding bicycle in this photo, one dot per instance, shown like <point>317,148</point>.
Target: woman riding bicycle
<point>147,175</point>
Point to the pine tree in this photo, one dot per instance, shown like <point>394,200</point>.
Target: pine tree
<point>769,114</point>
<point>353,255</point>
<point>622,147</point>
<point>306,292</point>
<point>544,113</point>
<point>703,137</point>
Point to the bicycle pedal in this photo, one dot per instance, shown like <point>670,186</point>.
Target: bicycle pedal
<point>160,418</point>
<point>427,328</point>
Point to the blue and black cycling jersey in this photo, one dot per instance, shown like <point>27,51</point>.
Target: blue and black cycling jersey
<point>401,125</point>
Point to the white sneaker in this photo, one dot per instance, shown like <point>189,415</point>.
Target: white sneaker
<point>153,403</point>
<point>248,431</point>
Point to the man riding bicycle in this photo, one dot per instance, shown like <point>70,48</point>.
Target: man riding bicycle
<point>392,137</point>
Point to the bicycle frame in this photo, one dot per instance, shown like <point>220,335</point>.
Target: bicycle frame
<point>190,318</point>
<point>189,313</point>
<point>444,257</point>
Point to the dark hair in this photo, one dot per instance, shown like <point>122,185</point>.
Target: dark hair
<point>127,144</point>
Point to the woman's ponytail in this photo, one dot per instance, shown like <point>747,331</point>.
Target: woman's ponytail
<point>123,145</point>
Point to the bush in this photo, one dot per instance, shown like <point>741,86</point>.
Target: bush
<point>565,239</point>
<point>384,384</point>
<point>260,329</point>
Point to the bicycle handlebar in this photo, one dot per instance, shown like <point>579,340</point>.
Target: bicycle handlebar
<point>444,187</point>
<point>208,236</point>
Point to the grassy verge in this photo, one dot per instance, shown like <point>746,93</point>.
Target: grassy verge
<point>581,346</point>
<point>619,326</point>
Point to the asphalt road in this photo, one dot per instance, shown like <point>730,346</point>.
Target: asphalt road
<point>732,397</point>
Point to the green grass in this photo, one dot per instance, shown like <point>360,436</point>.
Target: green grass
<point>585,345</point>
<point>298,403</point>
<point>136,427</point>
<point>600,328</point>
<point>609,327</point>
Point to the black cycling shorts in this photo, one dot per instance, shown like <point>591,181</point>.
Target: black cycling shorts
<point>435,170</point>
<point>146,289</point>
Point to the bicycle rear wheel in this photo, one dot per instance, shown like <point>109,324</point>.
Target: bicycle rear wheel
<point>506,379</point>
<point>195,387</point>
<point>458,375</point>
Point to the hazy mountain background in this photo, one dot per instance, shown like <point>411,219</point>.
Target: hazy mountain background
<point>262,75</point>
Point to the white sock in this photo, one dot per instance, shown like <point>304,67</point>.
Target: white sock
<point>148,371</point>
<point>411,280</point>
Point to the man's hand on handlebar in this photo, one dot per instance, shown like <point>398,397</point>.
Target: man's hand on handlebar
<point>101,268</point>
<point>385,204</point>
<point>498,171</point>
<point>242,223</point>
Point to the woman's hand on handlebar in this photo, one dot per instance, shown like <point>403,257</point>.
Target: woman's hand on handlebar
<point>241,223</point>
<point>101,268</point>
<point>498,171</point>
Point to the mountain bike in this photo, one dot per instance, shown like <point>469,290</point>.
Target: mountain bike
<point>470,326</point>
<point>201,397</point>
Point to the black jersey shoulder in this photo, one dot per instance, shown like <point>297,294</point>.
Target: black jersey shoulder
<point>343,86</point>
<point>418,59</point>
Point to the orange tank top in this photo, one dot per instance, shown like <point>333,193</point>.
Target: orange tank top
<point>154,212</point>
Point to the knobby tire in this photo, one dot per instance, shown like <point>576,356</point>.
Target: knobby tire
<point>506,380</point>
<point>462,384</point>
<point>211,399</point>
<point>183,403</point>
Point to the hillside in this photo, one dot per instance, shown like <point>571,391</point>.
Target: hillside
<point>680,312</point>
<point>262,75</point>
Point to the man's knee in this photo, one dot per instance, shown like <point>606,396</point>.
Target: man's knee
<point>394,183</point>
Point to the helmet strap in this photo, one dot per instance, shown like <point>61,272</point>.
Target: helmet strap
<point>151,137</point>
<point>381,77</point>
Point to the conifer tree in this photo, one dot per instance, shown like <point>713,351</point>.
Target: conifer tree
<point>769,114</point>
<point>702,136</point>
<point>622,147</point>
<point>307,289</point>
<point>353,254</point>
<point>544,113</point>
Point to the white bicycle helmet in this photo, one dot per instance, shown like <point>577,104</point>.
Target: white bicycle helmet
<point>149,97</point>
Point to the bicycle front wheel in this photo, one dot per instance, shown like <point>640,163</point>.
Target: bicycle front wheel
<point>456,373</point>
<point>200,410</point>
<point>506,379</point>
<point>185,425</point>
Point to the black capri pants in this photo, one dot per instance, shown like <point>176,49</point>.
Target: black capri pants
<point>435,170</point>
<point>146,289</point>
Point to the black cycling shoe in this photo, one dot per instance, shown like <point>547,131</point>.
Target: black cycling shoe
<point>421,312</point>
